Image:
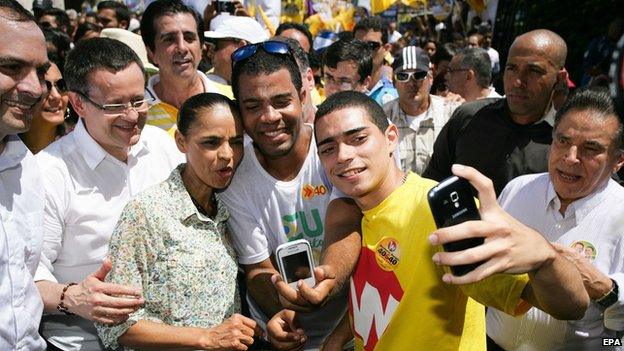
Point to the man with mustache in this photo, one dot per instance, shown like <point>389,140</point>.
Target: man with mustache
<point>23,63</point>
<point>505,138</point>
<point>173,35</point>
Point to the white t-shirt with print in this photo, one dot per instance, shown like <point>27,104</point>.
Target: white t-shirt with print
<point>266,212</point>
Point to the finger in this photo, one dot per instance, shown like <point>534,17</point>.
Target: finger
<point>483,184</point>
<point>246,339</point>
<point>293,322</point>
<point>465,230</point>
<point>283,289</point>
<point>115,302</point>
<point>472,255</point>
<point>317,295</point>
<point>117,289</point>
<point>112,312</point>
<point>101,273</point>
<point>248,322</point>
<point>485,270</point>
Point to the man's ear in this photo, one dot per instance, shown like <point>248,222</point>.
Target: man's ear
<point>303,94</point>
<point>392,137</point>
<point>368,80</point>
<point>471,75</point>
<point>309,78</point>
<point>77,103</point>
<point>123,24</point>
<point>387,47</point>
<point>619,161</point>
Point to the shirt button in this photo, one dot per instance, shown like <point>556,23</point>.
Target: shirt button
<point>558,226</point>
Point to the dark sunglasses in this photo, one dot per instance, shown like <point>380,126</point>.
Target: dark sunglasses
<point>60,86</point>
<point>373,45</point>
<point>405,76</point>
<point>270,46</point>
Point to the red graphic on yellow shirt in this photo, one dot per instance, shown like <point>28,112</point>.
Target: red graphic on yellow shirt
<point>309,191</point>
<point>374,296</point>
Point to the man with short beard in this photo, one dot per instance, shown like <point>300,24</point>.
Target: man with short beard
<point>23,63</point>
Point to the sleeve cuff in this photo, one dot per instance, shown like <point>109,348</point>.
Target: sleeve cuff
<point>43,273</point>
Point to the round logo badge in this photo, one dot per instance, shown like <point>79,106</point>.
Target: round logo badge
<point>388,253</point>
<point>585,248</point>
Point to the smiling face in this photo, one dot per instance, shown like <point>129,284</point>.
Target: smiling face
<point>116,133</point>
<point>583,154</point>
<point>213,145</point>
<point>177,49</point>
<point>23,63</point>
<point>53,108</point>
<point>272,111</point>
<point>354,152</point>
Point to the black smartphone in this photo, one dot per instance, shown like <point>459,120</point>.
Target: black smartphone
<point>451,203</point>
<point>226,6</point>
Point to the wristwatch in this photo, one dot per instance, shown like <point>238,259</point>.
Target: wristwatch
<point>609,298</point>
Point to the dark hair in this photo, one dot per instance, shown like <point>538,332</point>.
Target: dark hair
<point>376,24</point>
<point>13,11</point>
<point>97,53</point>
<point>354,99</point>
<point>61,16</point>
<point>302,58</point>
<point>354,50</point>
<point>160,8</point>
<point>195,104</point>
<point>599,102</point>
<point>444,53</point>
<point>478,60</point>
<point>298,27</point>
<point>82,30</point>
<point>121,11</point>
<point>61,42</point>
<point>264,63</point>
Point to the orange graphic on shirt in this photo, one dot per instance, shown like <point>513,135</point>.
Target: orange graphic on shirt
<point>309,191</point>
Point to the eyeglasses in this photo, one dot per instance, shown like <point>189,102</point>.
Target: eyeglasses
<point>120,109</point>
<point>60,86</point>
<point>343,84</point>
<point>373,45</point>
<point>270,46</point>
<point>405,76</point>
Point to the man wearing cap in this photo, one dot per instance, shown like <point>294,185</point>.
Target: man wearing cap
<point>232,33</point>
<point>419,115</point>
<point>171,32</point>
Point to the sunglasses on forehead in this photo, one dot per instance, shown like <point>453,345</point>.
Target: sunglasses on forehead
<point>270,46</point>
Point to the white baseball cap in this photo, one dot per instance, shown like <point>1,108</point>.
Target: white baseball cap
<point>239,27</point>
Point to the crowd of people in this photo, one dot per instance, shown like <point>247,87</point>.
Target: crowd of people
<point>150,169</point>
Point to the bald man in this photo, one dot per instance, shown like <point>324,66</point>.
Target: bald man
<point>508,137</point>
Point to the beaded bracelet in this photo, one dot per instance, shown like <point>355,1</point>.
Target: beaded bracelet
<point>61,306</point>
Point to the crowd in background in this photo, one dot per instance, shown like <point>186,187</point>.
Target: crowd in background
<point>154,155</point>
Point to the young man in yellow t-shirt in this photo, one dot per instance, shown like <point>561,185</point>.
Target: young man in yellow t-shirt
<point>399,296</point>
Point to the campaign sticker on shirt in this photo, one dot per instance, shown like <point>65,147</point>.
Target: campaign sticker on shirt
<point>585,248</point>
<point>388,253</point>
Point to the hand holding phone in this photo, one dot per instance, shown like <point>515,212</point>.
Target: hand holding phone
<point>294,261</point>
<point>451,203</point>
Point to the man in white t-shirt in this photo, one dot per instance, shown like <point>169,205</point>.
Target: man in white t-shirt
<point>88,177</point>
<point>280,191</point>
<point>419,115</point>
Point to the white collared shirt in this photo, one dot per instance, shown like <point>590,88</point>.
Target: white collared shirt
<point>21,213</point>
<point>85,191</point>
<point>597,219</point>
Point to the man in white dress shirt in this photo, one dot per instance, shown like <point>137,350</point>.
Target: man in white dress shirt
<point>88,176</point>
<point>578,207</point>
<point>23,63</point>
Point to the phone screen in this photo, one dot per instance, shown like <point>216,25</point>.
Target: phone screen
<point>296,267</point>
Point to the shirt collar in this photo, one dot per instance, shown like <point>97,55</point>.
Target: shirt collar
<point>187,207</point>
<point>380,84</point>
<point>580,207</point>
<point>14,152</point>
<point>92,152</point>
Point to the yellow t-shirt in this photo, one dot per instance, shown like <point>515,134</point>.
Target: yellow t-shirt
<point>398,300</point>
<point>164,116</point>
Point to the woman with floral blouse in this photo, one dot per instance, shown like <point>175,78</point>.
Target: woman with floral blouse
<point>172,241</point>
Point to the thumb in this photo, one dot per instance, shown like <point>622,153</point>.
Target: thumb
<point>102,272</point>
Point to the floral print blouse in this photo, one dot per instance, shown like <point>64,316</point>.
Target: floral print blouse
<point>181,259</point>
